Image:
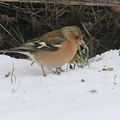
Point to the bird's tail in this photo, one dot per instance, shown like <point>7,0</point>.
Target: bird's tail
<point>21,50</point>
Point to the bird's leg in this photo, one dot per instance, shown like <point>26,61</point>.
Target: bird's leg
<point>44,74</point>
<point>43,71</point>
<point>52,70</point>
<point>59,70</point>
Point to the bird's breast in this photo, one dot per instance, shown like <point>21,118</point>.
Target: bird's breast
<point>57,58</point>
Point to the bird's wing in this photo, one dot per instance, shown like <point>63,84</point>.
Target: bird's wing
<point>38,45</point>
<point>51,44</point>
<point>56,41</point>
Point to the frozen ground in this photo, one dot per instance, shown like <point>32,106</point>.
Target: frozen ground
<point>89,93</point>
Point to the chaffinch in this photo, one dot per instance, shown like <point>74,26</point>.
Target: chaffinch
<point>53,49</point>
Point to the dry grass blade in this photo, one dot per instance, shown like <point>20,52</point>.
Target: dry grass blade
<point>13,76</point>
<point>83,56</point>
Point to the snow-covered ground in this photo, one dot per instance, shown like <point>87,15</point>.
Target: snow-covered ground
<point>89,93</point>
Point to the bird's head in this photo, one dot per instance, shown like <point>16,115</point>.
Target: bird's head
<point>73,33</point>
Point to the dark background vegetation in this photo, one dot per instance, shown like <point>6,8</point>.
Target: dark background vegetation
<point>20,22</point>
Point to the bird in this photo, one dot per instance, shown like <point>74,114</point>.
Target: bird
<point>53,49</point>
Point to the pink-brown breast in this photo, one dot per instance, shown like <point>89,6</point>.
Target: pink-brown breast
<point>58,58</point>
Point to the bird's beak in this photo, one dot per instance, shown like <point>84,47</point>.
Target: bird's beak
<point>81,43</point>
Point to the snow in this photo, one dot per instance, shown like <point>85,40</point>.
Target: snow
<point>89,93</point>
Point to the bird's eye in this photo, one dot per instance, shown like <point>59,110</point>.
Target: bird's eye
<point>77,37</point>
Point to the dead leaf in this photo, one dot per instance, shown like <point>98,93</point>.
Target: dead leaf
<point>107,69</point>
<point>82,80</point>
<point>93,91</point>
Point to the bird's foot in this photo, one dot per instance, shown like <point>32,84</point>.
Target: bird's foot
<point>59,70</point>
